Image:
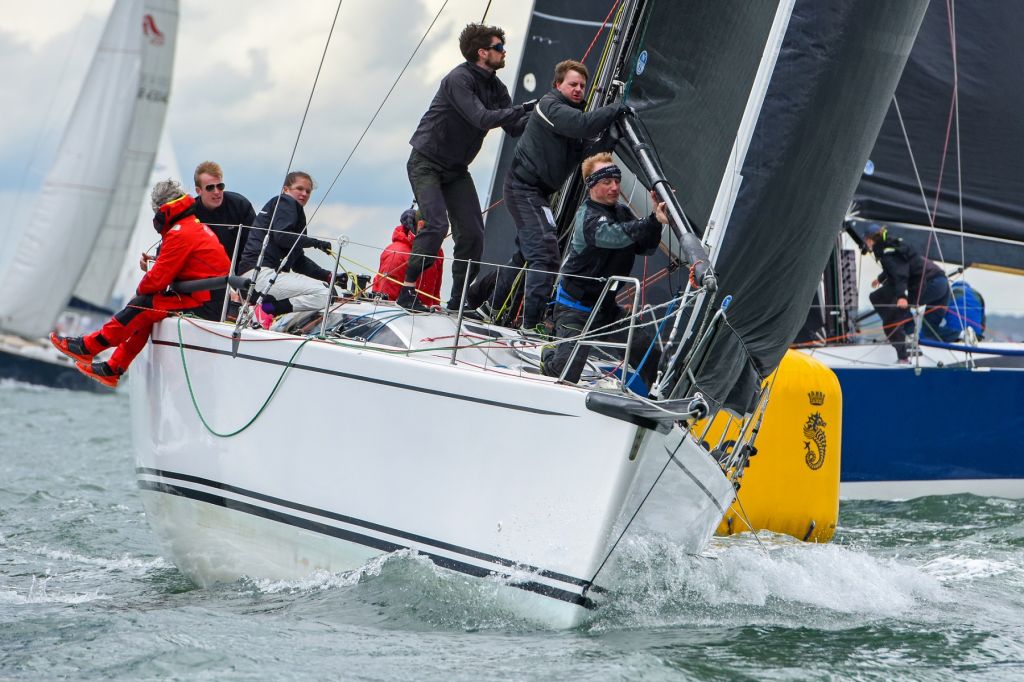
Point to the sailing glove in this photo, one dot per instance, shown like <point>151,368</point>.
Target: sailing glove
<point>322,245</point>
<point>529,104</point>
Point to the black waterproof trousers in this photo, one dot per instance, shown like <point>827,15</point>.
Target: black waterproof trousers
<point>898,323</point>
<point>536,247</point>
<point>445,194</point>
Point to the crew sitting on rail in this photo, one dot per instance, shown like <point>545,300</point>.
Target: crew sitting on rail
<point>188,250</point>
<point>606,239</point>
<point>300,284</point>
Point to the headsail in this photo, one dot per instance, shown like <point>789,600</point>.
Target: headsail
<point>965,147</point>
<point>828,93</point>
<point>80,187</point>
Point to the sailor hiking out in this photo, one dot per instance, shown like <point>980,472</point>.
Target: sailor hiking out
<point>188,250</point>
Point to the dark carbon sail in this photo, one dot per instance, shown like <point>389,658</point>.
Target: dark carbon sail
<point>838,67</point>
<point>965,132</point>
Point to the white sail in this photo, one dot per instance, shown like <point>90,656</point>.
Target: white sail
<point>143,236</point>
<point>75,198</point>
<point>159,34</point>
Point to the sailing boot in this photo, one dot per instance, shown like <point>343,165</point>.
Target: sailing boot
<point>101,372</point>
<point>72,346</point>
<point>407,299</point>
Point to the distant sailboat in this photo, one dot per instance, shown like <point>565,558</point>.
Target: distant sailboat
<point>944,176</point>
<point>86,211</point>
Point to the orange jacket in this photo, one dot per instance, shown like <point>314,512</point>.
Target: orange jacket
<point>188,250</point>
<point>395,260</point>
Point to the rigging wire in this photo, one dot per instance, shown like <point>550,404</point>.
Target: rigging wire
<point>377,113</point>
<point>486,10</point>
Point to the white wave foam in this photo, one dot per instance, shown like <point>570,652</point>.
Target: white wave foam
<point>39,593</point>
<point>736,571</point>
<point>323,580</point>
<point>125,563</point>
<point>955,568</point>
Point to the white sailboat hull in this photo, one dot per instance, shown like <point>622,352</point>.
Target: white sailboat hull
<point>362,452</point>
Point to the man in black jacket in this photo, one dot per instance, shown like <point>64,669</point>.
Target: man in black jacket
<point>606,239</point>
<point>556,139</point>
<point>229,215</point>
<point>301,284</point>
<point>469,102</point>
<point>907,279</point>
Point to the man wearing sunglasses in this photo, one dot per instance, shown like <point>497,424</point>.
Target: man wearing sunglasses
<point>469,102</point>
<point>222,211</point>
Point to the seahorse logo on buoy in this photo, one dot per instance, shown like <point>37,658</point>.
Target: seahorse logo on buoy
<point>814,431</point>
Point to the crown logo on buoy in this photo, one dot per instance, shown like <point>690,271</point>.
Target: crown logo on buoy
<point>816,397</point>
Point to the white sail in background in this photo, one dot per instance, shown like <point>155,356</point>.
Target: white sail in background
<point>159,35</point>
<point>80,188</point>
<point>144,237</point>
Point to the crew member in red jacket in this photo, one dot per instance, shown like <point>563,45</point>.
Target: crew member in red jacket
<point>188,250</point>
<point>395,259</point>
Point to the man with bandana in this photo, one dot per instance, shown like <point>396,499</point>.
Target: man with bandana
<point>606,239</point>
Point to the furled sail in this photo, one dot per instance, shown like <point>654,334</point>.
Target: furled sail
<point>965,130</point>
<point>159,35</point>
<point>693,69</point>
<point>80,188</point>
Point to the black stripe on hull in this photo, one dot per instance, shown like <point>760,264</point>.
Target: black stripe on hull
<point>371,380</point>
<point>370,541</point>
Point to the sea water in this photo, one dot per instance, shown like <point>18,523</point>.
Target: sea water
<point>931,588</point>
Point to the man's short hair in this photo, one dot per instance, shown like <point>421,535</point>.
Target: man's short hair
<point>591,161</point>
<point>290,179</point>
<point>477,37</point>
<point>562,68</point>
<point>164,191</point>
<point>208,167</point>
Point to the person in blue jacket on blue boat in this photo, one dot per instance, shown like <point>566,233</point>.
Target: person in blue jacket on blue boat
<point>907,279</point>
<point>606,238</point>
<point>470,101</point>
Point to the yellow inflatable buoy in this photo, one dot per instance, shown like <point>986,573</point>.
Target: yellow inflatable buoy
<point>792,485</point>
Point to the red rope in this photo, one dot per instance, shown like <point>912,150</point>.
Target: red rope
<point>600,30</point>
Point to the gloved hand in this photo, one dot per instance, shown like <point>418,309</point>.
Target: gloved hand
<point>322,245</point>
<point>529,105</point>
<point>623,110</point>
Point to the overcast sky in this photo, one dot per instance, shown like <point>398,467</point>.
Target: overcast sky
<point>243,73</point>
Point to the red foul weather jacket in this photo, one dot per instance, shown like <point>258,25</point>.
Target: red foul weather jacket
<point>395,260</point>
<point>188,250</point>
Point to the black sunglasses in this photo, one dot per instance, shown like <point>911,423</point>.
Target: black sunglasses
<point>210,188</point>
<point>497,47</point>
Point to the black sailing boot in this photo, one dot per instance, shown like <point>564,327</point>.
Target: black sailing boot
<point>408,299</point>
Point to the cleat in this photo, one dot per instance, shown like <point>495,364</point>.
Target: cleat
<point>71,346</point>
<point>101,372</point>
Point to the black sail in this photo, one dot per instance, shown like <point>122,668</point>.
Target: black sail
<point>838,67</point>
<point>987,130</point>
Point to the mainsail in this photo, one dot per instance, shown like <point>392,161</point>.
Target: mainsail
<point>838,66</point>
<point>960,101</point>
<point>83,186</point>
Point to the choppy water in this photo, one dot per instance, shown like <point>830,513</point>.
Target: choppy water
<point>926,589</point>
